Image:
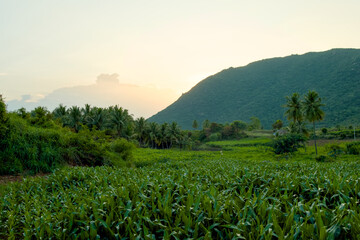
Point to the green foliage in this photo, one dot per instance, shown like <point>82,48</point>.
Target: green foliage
<point>277,125</point>
<point>322,158</point>
<point>258,90</point>
<point>353,148</point>
<point>4,124</point>
<point>84,148</point>
<point>30,148</point>
<point>195,124</point>
<point>254,124</point>
<point>33,145</point>
<point>192,198</point>
<point>334,150</point>
<point>324,131</point>
<point>40,116</point>
<point>215,137</point>
<point>123,148</point>
<point>288,143</point>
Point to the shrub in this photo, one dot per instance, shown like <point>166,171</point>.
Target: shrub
<point>334,150</point>
<point>123,148</point>
<point>288,143</point>
<point>322,158</point>
<point>82,149</point>
<point>215,137</point>
<point>30,149</point>
<point>324,131</point>
<point>353,148</point>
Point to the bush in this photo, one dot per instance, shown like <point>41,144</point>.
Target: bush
<point>123,148</point>
<point>84,148</point>
<point>322,158</point>
<point>334,150</point>
<point>288,143</point>
<point>215,137</point>
<point>324,131</point>
<point>30,149</point>
<point>353,148</point>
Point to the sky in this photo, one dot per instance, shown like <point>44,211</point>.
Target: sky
<point>160,44</point>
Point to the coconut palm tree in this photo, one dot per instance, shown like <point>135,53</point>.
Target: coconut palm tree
<point>119,118</point>
<point>140,130</point>
<point>294,109</point>
<point>152,133</point>
<point>96,118</point>
<point>60,113</point>
<point>312,111</point>
<point>174,133</point>
<point>164,135</point>
<point>74,119</point>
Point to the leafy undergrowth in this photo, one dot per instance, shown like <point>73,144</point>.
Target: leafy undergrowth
<point>178,199</point>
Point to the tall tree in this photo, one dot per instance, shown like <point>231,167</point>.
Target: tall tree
<point>119,119</point>
<point>312,111</point>
<point>153,131</point>
<point>195,125</point>
<point>294,108</point>
<point>59,113</point>
<point>206,124</point>
<point>74,118</point>
<point>140,130</point>
<point>97,118</point>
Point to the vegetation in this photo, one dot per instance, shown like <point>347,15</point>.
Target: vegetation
<point>308,109</point>
<point>288,143</point>
<point>259,88</point>
<point>224,181</point>
<point>243,192</point>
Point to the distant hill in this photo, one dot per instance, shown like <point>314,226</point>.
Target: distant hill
<point>259,89</point>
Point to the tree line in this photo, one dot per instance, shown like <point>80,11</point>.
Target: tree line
<point>114,121</point>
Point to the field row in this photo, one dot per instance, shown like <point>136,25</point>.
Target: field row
<point>217,198</point>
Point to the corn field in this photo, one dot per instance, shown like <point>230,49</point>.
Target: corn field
<point>198,199</point>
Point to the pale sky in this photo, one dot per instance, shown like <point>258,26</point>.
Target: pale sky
<point>50,44</point>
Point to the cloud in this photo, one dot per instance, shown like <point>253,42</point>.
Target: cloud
<point>141,101</point>
<point>108,79</point>
<point>3,74</point>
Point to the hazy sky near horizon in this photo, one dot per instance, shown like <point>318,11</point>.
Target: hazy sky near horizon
<point>47,45</point>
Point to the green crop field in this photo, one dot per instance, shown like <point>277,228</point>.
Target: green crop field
<point>241,192</point>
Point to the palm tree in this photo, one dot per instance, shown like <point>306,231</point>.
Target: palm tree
<point>140,130</point>
<point>96,118</point>
<point>119,118</point>
<point>312,111</point>
<point>86,113</point>
<point>294,109</point>
<point>153,131</point>
<point>74,118</point>
<point>174,133</point>
<point>60,112</point>
<point>164,135</point>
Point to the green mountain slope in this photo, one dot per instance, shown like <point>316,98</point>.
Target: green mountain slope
<point>259,89</point>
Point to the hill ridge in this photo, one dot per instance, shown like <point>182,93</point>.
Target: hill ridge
<point>259,89</point>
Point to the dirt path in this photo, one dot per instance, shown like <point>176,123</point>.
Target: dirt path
<point>11,178</point>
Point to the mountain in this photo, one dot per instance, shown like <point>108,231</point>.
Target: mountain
<point>259,89</point>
